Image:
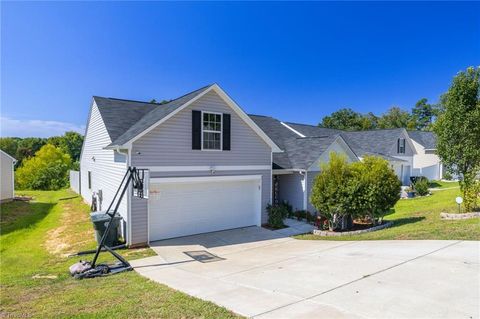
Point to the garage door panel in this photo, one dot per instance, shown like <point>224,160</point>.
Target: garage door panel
<point>181,209</point>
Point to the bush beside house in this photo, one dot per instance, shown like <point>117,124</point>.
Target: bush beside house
<point>345,191</point>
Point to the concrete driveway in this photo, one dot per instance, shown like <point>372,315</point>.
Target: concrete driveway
<point>262,274</point>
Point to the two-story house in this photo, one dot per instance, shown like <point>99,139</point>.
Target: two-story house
<point>209,165</point>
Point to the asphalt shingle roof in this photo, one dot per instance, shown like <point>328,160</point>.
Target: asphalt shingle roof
<point>426,139</point>
<point>362,143</point>
<point>304,151</point>
<point>119,115</point>
<point>278,133</point>
<point>311,130</point>
<point>125,119</point>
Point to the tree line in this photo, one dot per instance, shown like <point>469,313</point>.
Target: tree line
<point>421,118</point>
<point>43,163</point>
<point>23,148</point>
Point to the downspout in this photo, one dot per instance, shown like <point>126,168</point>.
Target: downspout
<point>305,190</point>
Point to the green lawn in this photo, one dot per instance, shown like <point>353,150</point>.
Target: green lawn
<point>35,240</point>
<point>419,218</point>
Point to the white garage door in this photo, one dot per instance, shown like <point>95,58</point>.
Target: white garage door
<point>187,206</point>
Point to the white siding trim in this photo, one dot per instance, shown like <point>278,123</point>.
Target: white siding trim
<point>292,129</point>
<point>200,179</point>
<point>206,168</point>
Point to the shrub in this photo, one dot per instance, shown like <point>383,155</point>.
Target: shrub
<point>287,207</point>
<point>343,191</point>
<point>47,170</point>
<point>373,190</point>
<point>310,217</point>
<point>329,195</point>
<point>275,216</point>
<point>300,214</point>
<point>421,186</point>
<point>447,176</point>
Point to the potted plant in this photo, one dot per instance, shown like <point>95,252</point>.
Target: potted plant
<point>410,192</point>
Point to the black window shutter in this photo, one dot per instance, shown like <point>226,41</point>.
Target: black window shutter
<point>226,132</point>
<point>196,130</point>
<point>398,146</point>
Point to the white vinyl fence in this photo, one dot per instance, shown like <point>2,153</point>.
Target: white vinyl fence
<point>75,181</point>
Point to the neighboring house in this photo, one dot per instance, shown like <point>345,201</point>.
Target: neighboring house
<point>394,145</point>
<point>295,169</point>
<point>426,162</point>
<point>210,165</point>
<point>7,184</point>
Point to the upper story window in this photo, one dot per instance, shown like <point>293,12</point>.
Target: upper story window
<point>401,146</point>
<point>211,131</point>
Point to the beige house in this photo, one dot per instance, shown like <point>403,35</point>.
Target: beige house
<point>7,185</point>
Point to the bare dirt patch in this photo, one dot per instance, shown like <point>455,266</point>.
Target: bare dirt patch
<point>71,235</point>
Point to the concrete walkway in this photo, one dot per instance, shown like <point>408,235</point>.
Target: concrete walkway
<point>263,274</point>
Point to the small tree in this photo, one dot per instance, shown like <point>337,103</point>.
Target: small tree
<point>458,132</point>
<point>329,194</point>
<point>343,191</point>
<point>374,188</point>
<point>47,170</point>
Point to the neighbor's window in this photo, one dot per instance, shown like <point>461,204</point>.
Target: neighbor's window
<point>89,180</point>
<point>212,131</point>
<point>401,146</point>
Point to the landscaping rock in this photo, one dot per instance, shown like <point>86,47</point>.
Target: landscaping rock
<point>348,233</point>
<point>450,216</point>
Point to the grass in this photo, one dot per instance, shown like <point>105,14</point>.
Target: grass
<point>35,240</point>
<point>419,218</point>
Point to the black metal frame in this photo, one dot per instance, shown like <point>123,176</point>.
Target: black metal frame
<point>135,176</point>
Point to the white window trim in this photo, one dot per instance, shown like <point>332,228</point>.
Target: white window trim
<point>400,140</point>
<point>212,131</point>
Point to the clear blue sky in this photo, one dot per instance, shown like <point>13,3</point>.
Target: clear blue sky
<point>294,61</point>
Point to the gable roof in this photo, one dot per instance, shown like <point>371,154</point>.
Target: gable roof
<point>127,120</point>
<point>427,139</point>
<point>362,143</point>
<point>119,115</point>
<point>300,152</point>
<point>304,151</point>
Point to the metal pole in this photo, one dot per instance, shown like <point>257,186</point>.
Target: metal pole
<point>104,237</point>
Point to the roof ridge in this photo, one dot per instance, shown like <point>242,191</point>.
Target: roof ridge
<point>156,104</point>
<point>320,136</point>
<point>376,130</point>
<point>126,100</point>
<point>249,114</point>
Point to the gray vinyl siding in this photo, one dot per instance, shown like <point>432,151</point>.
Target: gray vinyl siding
<point>139,222</point>
<point>6,186</point>
<point>140,206</point>
<point>310,180</point>
<point>170,144</point>
<point>106,174</point>
<point>290,188</point>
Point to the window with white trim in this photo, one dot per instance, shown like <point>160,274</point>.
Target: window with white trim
<point>211,131</point>
<point>401,146</point>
